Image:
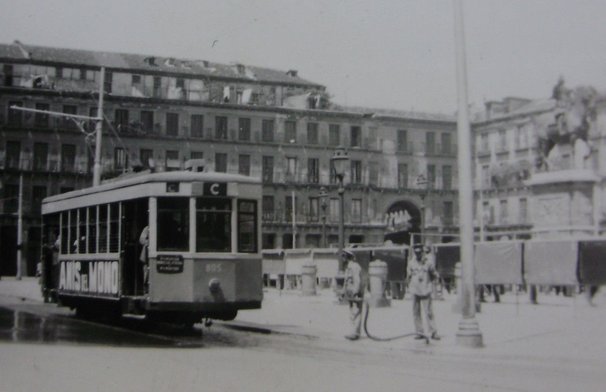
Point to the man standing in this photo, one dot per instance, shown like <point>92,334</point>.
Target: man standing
<point>353,291</point>
<point>420,274</point>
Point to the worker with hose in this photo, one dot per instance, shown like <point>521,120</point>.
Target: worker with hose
<point>420,274</point>
<point>353,291</point>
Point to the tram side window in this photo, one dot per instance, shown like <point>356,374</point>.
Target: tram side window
<point>247,226</point>
<point>92,230</point>
<point>173,224</point>
<point>213,225</point>
<point>64,232</point>
<point>80,244</point>
<point>114,227</point>
<point>103,228</point>
<point>73,231</point>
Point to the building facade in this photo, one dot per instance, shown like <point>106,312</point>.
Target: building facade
<point>270,124</point>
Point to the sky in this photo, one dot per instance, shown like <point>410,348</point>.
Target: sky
<point>390,54</point>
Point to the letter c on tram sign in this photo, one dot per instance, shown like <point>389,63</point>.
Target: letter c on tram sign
<point>214,189</point>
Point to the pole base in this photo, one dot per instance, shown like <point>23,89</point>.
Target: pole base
<point>469,334</point>
<point>308,292</point>
<point>379,302</point>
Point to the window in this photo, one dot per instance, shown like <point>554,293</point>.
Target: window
<point>38,193</point>
<point>15,117</point>
<point>356,172</point>
<point>402,175</point>
<point>109,78</point>
<point>291,168</point>
<point>197,125</point>
<point>8,75</point>
<point>373,173</point>
<point>504,211</point>
<point>172,160</point>
<point>92,113</point>
<point>268,207</point>
<point>68,122</point>
<point>11,198</point>
<point>121,119</point>
<point>41,119</point>
<point>197,155</point>
<point>221,128</point>
<point>267,131</point>
<point>431,176</point>
<point>356,210</point>
<point>356,136</point>
<point>40,156</point>
<point>447,213</point>
<point>213,225</point>
<point>288,207</point>
<point>484,142</point>
<point>523,218</point>
<point>120,159</point>
<point>221,163</point>
<point>333,210</point>
<point>402,140</point>
<point>290,132</point>
<point>430,142</point>
<point>147,121</point>
<point>312,133</point>
<point>314,207</point>
<point>334,135</point>
<point>247,226</point>
<point>313,171</point>
<point>135,80</point>
<point>268,169</point>
<point>446,177</point>
<point>173,224</point>
<point>172,124</point>
<point>502,140</point>
<point>13,155</point>
<point>446,141</point>
<point>68,157</point>
<point>244,164</point>
<point>147,158</point>
<point>157,87</point>
<point>244,129</point>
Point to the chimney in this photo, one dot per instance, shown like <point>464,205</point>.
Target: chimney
<point>293,72</point>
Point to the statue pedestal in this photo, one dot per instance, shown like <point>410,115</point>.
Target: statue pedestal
<point>564,203</point>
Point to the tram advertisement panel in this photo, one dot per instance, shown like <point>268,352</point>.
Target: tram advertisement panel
<point>93,277</point>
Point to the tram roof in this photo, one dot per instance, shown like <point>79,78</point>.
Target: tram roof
<point>148,177</point>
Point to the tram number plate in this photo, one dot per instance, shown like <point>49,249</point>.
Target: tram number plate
<point>213,267</point>
<point>169,264</point>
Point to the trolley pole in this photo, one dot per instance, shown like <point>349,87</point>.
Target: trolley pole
<point>20,229</point>
<point>469,331</point>
<point>294,221</point>
<point>99,131</point>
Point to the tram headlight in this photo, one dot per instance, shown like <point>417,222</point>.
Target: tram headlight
<point>214,285</point>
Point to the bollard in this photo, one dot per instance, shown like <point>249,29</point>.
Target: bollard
<point>308,273</point>
<point>377,271</point>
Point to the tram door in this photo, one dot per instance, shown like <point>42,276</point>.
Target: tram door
<point>135,217</point>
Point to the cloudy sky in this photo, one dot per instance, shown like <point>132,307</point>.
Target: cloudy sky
<point>387,54</point>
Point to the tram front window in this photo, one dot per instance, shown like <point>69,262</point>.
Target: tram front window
<point>173,224</point>
<point>213,225</point>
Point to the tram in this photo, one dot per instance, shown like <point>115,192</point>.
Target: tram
<point>178,247</point>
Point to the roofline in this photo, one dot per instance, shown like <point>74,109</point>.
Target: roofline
<point>182,176</point>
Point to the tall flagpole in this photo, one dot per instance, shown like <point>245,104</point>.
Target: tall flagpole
<point>469,331</point>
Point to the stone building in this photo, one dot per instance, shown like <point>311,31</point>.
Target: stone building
<point>261,122</point>
<point>540,166</point>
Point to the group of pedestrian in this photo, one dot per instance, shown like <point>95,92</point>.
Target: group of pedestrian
<point>420,275</point>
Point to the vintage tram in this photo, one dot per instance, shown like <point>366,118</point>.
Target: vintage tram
<point>176,247</point>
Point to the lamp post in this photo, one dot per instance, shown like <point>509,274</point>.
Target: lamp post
<point>339,162</point>
<point>422,184</point>
<point>323,205</point>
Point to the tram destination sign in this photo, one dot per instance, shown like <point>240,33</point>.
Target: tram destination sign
<point>169,264</point>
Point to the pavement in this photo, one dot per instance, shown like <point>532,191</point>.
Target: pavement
<point>561,329</point>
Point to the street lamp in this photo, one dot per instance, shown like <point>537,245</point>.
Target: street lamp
<point>422,184</point>
<point>323,197</point>
<point>339,162</point>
